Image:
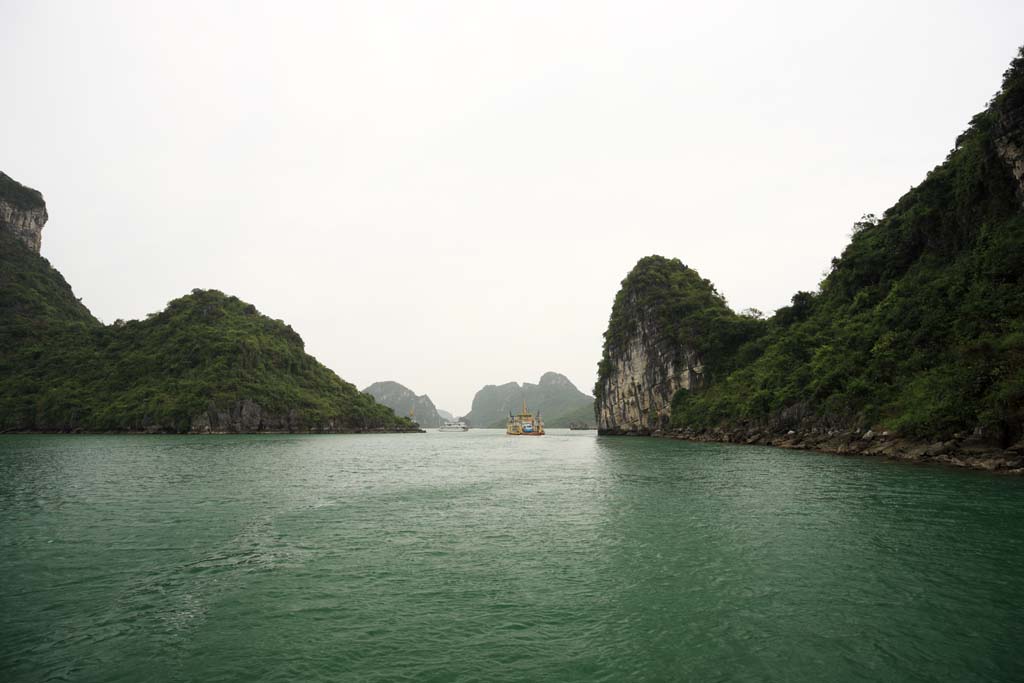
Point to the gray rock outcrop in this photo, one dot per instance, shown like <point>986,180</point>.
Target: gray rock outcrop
<point>249,417</point>
<point>646,372</point>
<point>1009,125</point>
<point>22,212</point>
<point>1010,147</point>
<point>655,345</point>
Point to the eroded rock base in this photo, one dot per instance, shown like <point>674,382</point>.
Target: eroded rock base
<point>974,452</point>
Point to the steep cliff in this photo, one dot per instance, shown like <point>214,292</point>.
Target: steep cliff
<point>666,324</point>
<point>916,333</point>
<point>22,212</point>
<point>555,396</point>
<point>206,363</point>
<point>1008,114</point>
<point>405,402</point>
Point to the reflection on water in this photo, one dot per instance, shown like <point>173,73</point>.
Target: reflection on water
<point>480,556</point>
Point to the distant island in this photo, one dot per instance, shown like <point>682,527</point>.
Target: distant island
<point>558,400</point>
<point>912,346</point>
<point>207,363</point>
<point>405,402</point>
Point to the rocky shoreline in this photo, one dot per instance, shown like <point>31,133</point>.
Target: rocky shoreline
<point>166,432</point>
<point>237,417</point>
<point>973,451</point>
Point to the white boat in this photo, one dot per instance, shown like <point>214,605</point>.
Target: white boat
<point>452,426</point>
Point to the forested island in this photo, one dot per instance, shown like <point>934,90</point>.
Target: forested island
<point>560,403</point>
<point>208,362</point>
<point>404,401</point>
<point>912,346</point>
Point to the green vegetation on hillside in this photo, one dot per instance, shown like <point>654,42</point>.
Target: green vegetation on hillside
<point>17,194</point>
<point>919,326</point>
<point>683,310</point>
<point>558,400</point>
<point>405,402</point>
<point>60,369</point>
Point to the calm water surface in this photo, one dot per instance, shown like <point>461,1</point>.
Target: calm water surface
<point>464,557</point>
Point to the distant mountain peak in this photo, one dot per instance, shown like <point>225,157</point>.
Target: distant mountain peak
<point>554,395</point>
<point>554,379</point>
<point>404,401</point>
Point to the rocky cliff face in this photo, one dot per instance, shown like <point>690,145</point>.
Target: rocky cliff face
<point>1009,138</point>
<point>249,417</point>
<point>656,344</point>
<point>646,372</point>
<point>22,212</point>
<point>1011,151</point>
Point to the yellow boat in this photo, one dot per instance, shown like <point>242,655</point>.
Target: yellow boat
<point>525,424</point>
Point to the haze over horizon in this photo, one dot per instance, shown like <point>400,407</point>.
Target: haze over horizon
<point>448,195</point>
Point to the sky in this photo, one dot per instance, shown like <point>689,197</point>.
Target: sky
<point>448,194</point>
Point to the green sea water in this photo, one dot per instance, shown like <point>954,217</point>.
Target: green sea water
<point>481,557</point>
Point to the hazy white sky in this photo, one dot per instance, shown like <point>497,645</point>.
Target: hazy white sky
<point>447,194</point>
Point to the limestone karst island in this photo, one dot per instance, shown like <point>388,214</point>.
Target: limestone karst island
<point>911,347</point>
<point>284,290</point>
<point>208,362</point>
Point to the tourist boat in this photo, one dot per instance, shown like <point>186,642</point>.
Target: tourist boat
<point>453,426</point>
<point>525,424</point>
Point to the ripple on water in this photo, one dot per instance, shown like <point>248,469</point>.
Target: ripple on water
<point>478,557</point>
